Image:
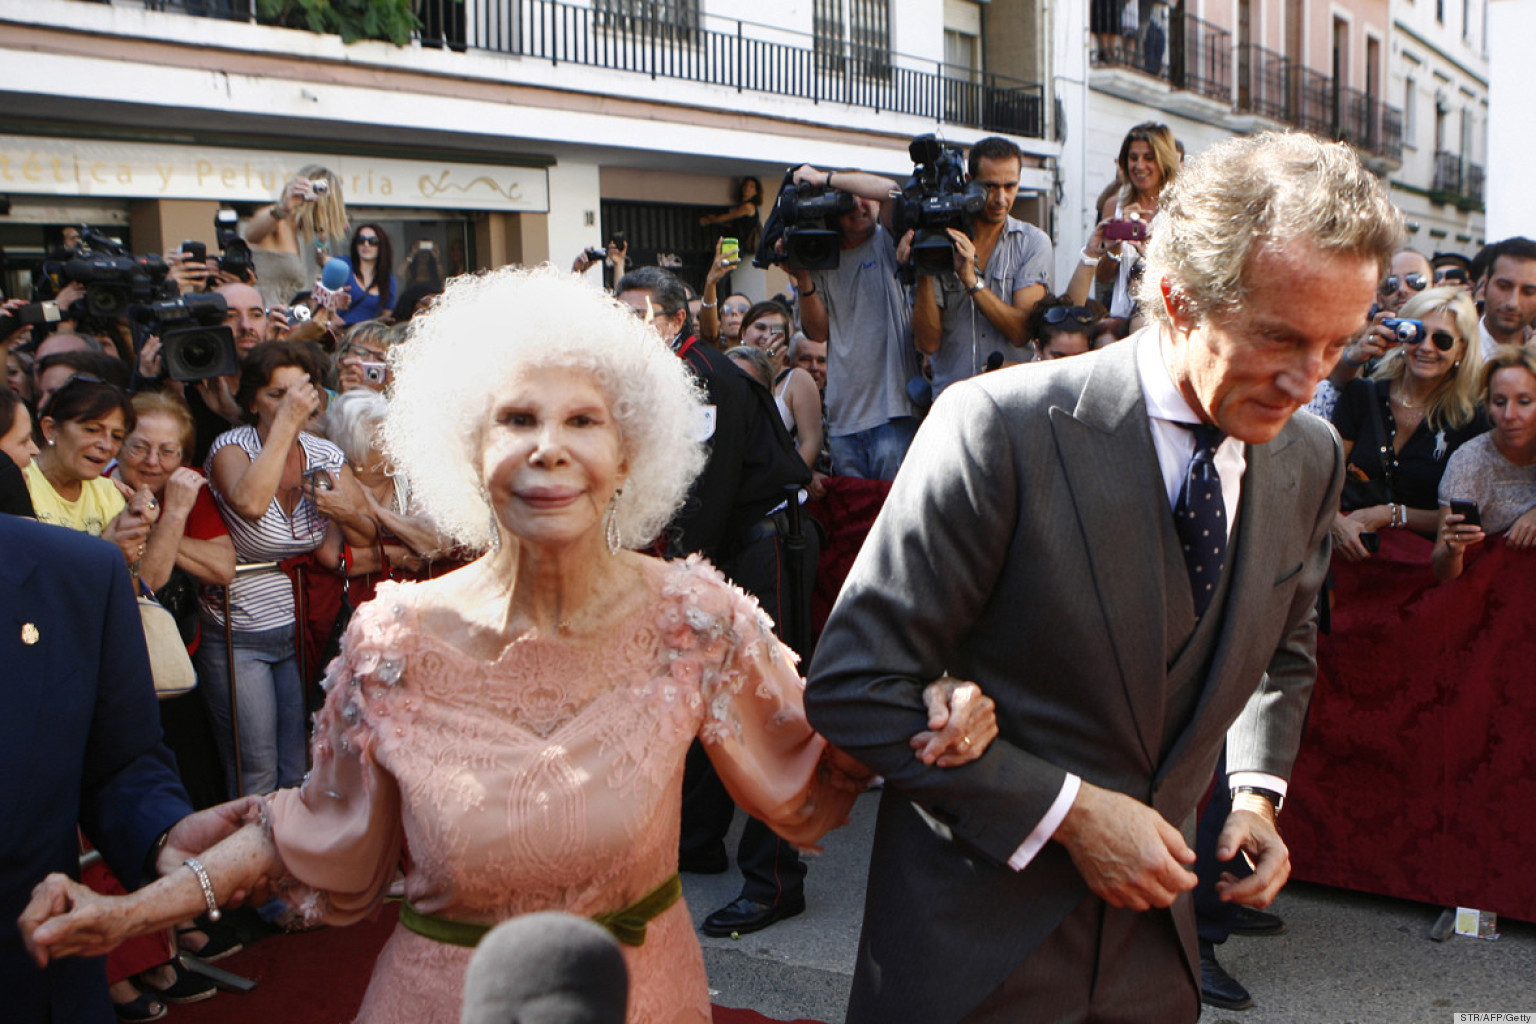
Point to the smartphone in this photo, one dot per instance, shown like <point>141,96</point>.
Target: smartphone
<point>1371,541</point>
<point>427,246</point>
<point>1467,510</point>
<point>374,373</point>
<point>1125,231</point>
<point>194,252</point>
<point>730,249</point>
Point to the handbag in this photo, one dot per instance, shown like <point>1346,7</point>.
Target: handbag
<point>168,660</point>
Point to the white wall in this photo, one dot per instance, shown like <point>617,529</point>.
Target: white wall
<point>1510,199</point>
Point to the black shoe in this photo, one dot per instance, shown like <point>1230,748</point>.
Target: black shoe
<point>746,916</point>
<point>1251,922</point>
<point>707,862</point>
<point>1217,987</point>
<point>188,987</point>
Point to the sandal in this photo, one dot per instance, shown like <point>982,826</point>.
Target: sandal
<point>187,988</point>
<point>216,944</point>
<point>141,1010</point>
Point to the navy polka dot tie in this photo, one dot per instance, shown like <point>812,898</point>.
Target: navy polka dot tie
<point>1201,517</point>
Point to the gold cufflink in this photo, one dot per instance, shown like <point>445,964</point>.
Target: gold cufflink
<point>29,634</point>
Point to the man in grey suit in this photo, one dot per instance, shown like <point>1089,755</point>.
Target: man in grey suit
<point>1044,540</point>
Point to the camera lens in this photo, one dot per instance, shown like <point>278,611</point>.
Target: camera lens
<point>199,351</point>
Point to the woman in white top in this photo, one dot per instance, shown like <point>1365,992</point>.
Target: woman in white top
<point>767,327</point>
<point>1495,471</point>
<point>273,484</point>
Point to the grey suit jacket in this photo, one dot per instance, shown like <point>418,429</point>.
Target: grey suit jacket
<point>1025,546</point>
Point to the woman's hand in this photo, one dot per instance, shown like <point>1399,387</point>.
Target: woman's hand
<point>1522,532</point>
<point>1096,249</point>
<point>962,723</point>
<point>333,502</point>
<point>181,490</point>
<point>1346,532</point>
<point>65,918</point>
<point>1457,535</point>
<point>720,265</point>
<point>300,402</point>
<point>130,533</point>
<point>1372,343</point>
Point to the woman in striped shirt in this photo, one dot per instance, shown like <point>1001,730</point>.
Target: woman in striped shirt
<point>270,480</point>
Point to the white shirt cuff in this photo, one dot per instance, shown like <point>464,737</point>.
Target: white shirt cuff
<point>1048,825</point>
<point>1262,780</point>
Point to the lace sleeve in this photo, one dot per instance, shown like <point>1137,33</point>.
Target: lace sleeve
<point>339,834</point>
<point>755,731</point>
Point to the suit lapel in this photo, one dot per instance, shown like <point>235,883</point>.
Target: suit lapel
<point>1107,458</point>
<point>1269,485</point>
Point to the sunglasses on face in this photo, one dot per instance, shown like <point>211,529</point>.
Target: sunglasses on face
<point>1415,282</point>
<point>1060,314</point>
<point>1451,275</point>
<point>1443,340</point>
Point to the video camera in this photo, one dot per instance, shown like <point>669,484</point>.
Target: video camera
<point>809,243</point>
<point>114,279</point>
<point>195,342</point>
<point>937,197</point>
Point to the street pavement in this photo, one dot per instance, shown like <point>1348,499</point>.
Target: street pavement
<point>1346,958</point>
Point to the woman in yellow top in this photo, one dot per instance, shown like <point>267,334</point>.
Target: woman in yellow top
<point>83,425</point>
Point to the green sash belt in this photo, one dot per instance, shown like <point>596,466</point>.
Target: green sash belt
<point>626,925</point>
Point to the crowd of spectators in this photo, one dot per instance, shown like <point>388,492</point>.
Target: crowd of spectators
<point>216,489</point>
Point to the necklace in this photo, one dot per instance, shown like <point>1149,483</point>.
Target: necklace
<point>1400,400</point>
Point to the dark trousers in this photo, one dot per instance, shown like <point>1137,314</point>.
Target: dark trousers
<point>771,868</point>
<point>1213,917</point>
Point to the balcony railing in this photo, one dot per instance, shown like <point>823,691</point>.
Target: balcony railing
<point>1199,57</point>
<point>1456,180</point>
<point>1312,101</point>
<point>653,39</point>
<point>1263,83</point>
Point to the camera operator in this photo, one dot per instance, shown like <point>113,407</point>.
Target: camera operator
<point>1001,271</point>
<point>861,310</point>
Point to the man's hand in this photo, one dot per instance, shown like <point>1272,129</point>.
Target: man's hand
<point>1127,853</point>
<point>962,723</point>
<point>965,257</point>
<point>1250,829</point>
<point>805,174</point>
<point>64,918</point>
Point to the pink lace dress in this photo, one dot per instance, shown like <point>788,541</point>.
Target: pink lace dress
<point>547,779</point>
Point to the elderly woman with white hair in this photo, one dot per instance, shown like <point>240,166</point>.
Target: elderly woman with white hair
<point>407,541</point>
<point>522,722</point>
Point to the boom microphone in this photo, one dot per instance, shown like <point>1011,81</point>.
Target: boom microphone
<point>546,968</point>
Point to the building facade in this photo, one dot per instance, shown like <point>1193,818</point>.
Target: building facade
<point>507,130</point>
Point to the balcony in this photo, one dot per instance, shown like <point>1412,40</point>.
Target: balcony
<point>673,39</point>
<point>1263,83</point>
<point>1457,182</point>
<point>1198,57</point>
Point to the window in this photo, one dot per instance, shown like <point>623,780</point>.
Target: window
<point>1411,114</point>
<point>857,30</point>
<point>661,17</point>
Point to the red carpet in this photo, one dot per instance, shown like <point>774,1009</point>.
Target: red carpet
<point>318,978</point>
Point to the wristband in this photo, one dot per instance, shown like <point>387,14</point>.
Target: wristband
<point>808,294</point>
<point>207,884</point>
<point>708,305</point>
<point>278,213</point>
<point>1089,261</point>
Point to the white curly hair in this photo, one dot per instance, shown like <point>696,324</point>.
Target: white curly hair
<point>483,331</point>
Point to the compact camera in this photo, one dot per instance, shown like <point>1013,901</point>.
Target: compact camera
<point>1404,332</point>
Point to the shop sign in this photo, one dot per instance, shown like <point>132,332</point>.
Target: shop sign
<point>129,170</point>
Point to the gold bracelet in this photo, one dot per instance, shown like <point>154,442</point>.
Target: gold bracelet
<point>207,883</point>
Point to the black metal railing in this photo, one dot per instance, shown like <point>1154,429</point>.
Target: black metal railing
<point>1263,83</point>
<point>1312,102</point>
<point>1447,172</point>
<point>652,38</point>
<point>1199,56</point>
<point>1475,177</point>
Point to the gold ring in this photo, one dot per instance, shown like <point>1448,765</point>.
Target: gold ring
<point>965,741</point>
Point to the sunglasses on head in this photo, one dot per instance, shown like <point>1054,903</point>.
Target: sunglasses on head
<point>1059,314</point>
<point>1451,275</point>
<point>1416,282</point>
<point>73,379</point>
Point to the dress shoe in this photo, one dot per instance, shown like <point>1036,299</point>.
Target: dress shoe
<point>746,916</point>
<point>1217,987</point>
<point>1251,922</point>
<point>704,862</point>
